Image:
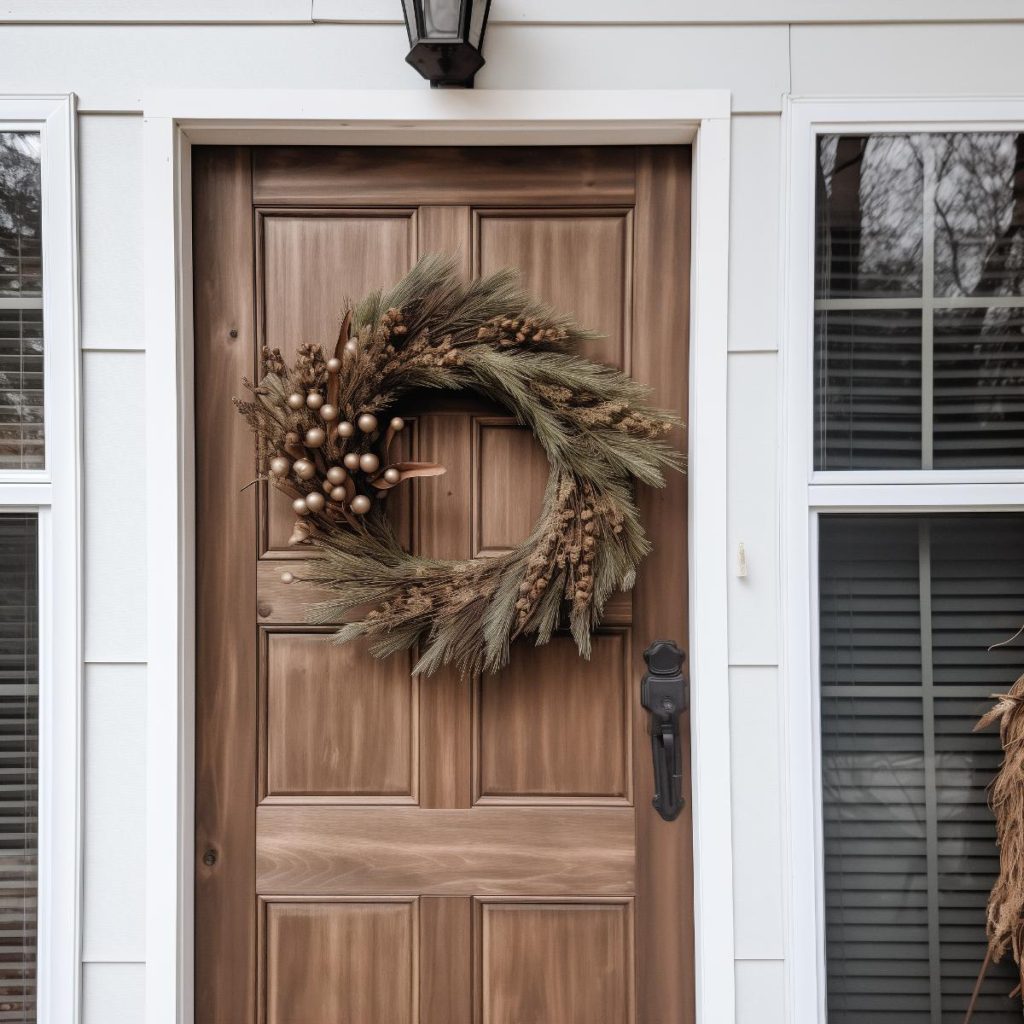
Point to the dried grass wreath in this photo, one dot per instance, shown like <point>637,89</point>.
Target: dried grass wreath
<point>319,434</point>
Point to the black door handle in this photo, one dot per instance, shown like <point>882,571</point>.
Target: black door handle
<point>665,693</point>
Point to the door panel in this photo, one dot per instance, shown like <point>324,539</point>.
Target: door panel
<point>578,261</point>
<point>376,848</point>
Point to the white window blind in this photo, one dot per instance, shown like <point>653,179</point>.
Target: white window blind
<point>19,798</point>
<point>21,302</point>
<point>909,606</point>
<point>919,301</point>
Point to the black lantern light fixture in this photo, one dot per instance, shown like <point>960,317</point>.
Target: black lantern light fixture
<point>447,39</point>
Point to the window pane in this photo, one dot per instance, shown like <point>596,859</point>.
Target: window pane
<point>979,388</point>
<point>868,409</point>
<point>19,796</point>
<point>21,317</point>
<point>869,223</point>
<point>929,229</point>
<point>909,606</point>
<point>979,213</point>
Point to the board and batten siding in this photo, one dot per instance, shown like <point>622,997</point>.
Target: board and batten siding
<point>112,66</point>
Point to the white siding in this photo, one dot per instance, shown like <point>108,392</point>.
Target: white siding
<point>754,253</point>
<point>760,992</point>
<point>907,60</point>
<point>111,68</point>
<point>113,993</point>
<point>752,513</point>
<point>114,855</point>
<point>115,481</point>
<point>757,813</point>
<point>110,158</point>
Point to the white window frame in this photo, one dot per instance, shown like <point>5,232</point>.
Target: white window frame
<point>54,495</point>
<point>806,493</point>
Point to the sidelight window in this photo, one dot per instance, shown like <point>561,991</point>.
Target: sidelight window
<point>906,512</point>
<point>40,646</point>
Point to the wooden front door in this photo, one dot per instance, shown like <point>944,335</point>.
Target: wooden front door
<point>373,848</point>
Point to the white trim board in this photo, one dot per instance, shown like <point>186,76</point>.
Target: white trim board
<point>509,12</point>
<point>805,493</point>
<point>172,122</point>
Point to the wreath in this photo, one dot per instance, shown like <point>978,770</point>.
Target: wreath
<point>325,426</point>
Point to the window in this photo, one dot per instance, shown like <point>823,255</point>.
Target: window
<point>919,301</point>
<point>21,302</point>
<point>905,497</point>
<point>40,636</point>
<point>19,774</point>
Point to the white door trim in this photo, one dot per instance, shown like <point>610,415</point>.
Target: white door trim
<point>177,120</point>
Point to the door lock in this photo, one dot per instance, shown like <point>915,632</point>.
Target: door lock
<point>665,693</point>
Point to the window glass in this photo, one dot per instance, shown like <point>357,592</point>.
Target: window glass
<point>19,794</point>
<point>919,298</point>
<point>910,606</point>
<point>21,303</point>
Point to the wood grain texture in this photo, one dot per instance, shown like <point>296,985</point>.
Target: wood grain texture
<point>565,962</point>
<point>397,850</point>
<point>340,961</point>
<point>431,176</point>
<point>552,725</point>
<point>503,449</point>
<point>446,960</point>
<point>580,262</point>
<point>526,783</point>
<point>664,934</point>
<point>309,267</point>
<point>225,772</point>
<point>337,722</point>
<point>443,531</point>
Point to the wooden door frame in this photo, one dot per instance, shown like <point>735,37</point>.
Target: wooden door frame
<point>174,122</point>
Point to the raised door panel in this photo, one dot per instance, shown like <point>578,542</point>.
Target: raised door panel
<point>553,727</point>
<point>510,474</point>
<point>578,261</point>
<point>340,961</point>
<point>312,266</point>
<point>545,962</point>
<point>338,724</point>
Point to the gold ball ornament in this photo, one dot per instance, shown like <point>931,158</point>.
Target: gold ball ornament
<point>352,346</point>
<point>369,463</point>
<point>338,494</point>
<point>315,437</point>
<point>299,507</point>
<point>397,424</point>
<point>304,469</point>
<point>345,429</point>
<point>392,475</point>
<point>327,486</point>
<point>336,475</point>
<point>367,423</point>
<point>333,364</point>
<point>351,460</point>
<point>314,400</point>
<point>360,504</point>
<point>287,577</point>
<point>328,413</point>
<point>315,502</point>
<point>295,400</point>
<point>279,465</point>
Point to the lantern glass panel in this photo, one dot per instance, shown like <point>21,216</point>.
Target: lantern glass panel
<point>477,22</point>
<point>412,24</point>
<point>441,18</point>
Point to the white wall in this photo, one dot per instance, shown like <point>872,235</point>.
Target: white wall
<point>530,45</point>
